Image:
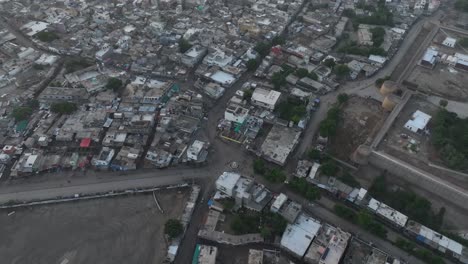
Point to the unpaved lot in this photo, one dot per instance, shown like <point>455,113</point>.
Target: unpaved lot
<point>115,230</point>
<point>360,119</point>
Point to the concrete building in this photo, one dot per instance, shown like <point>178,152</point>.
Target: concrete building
<point>59,94</point>
<point>197,151</point>
<point>104,158</point>
<point>285,207</point>
<point>226,183</point>
<point>218,58</point>
<point>449,42</point>
<point>265,98</point>
<point>236,113</point>
<point>279,143</point>
<point>213,90</point>
<point>328,247</point>
<point>429,58</point>
<point>255,256</point>
<point>244,191</point>
<point>386,212</point>
<point>297,237</point>
<point>193,56</point>
<point>418,122</point>
<point>205,254</point>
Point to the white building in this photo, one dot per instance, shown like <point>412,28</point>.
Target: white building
<point>278,203</point>
<point>193,56</point>
<point>265,98</point>
<point>236,113</point>
<point>196,151</point>
<point>418,121</point>
<point>206,254</point>
<point>298,236</point>
<point>104,158</point>
<point>449,42</point>
<point>388,213</point>
<point>226,183</point>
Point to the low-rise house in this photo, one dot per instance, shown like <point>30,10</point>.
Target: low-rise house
<point>103,159</point>
<point>194,55</point>
<point>60,94</point>
<point>197,152</point>
<point>297,237</point>
<point>279,143</point>
<point>265,98</point>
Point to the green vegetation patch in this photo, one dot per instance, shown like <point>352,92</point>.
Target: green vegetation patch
<point>449,136</point>
<point>292,110</point>
<point>305,189</point>
<point>47,36</point>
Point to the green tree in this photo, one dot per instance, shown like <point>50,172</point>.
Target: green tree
<point>278,80</point>
<point>259,166</point>
<point>313,76</point>
<point>63,108</point>
<point>314,154</point>
<point>278,40</point>
<point>341,70</point>
<point>21,113</point>
<point>349,13</point>
<point>252,64</point>
<point>329,168</point>
<point>443,102</point>
<point>463,42</point>
<point>343,98</point>
<point>114,84</point>
<point>304,188</point>
<point>46,36</point>
<point>173,228</point>
<point>184,45</point>
<point>330,63</point>
<point>301,72</point>
<point>378,36</point>
<point>462,5</point>
<point>275,176</point>
<point>248,94</point>
<point>263,48</point>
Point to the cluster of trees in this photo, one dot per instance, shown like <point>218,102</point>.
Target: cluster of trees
<point>252,64</point>
<point>76,64</point>
<point>279,78</point>
<point>449,138</point>
<point>114,84</point>
<point>268,224</point>
<point>361,218</point>
<point>462,5</point>
<point>414,206</point>
<point>329,125</point>
<point>423,254</point>
<point>341,70</point>
<point>184,45</point>
<point>329,168</point>
<point>301,73</point>
<point>272,175</point>
<point>351,47</point>
<point>47,36</point>
<point>173,228</point>
<point>463,41</point>
<point>263,48</point>
<point>21,113</point>
<point>380,16</point>
<point>330,63</point>
<point>378,35</point>
<point>291,110</point>
<point>304,188</point>
<point>63,108</point>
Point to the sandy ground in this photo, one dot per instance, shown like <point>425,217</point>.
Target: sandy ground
<point>360,119</point>
<point>119,230</point>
